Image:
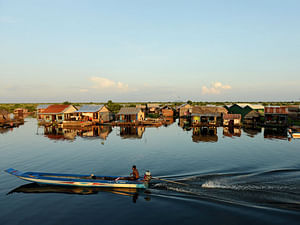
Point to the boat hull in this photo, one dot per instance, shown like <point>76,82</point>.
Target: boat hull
<point>77,180</point>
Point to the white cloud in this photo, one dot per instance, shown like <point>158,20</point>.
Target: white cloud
<point>104,83</point>
<point>215,88</point>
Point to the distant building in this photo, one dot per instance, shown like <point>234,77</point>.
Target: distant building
<point>153,108</point>
<point>232,120</point>
<point>185,110</point>
<point>40,109</point>
<point>58,113</point>
<point>252,118</point>
<point>276,115</point>
<point>207,115</point>
<point>4,115</point>
<point>94,113</point>
<point>244,109</point>
<point>20,112</point>
<point>167,111</point>
<point>130,114</point>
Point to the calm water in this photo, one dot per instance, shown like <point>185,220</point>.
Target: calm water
<point>232,177</point>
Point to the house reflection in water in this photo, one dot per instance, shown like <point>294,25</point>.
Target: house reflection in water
<point>168,121</point>
<point>252,132</point>
<point>276,133</point>
<point>101,132</point>
<point>132,132</point>
<point>184,124</point>
<point>205,134</point>
<point>232,131</point>
<point>56,133</point>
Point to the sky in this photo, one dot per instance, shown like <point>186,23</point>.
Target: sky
<point>149,50</point>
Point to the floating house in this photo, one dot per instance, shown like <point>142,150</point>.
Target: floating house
<point>232,120</point>
<point>58,113</point>
<point>4,115</point>
<point>252,118</point>
<point>153,108</point>
<point>40,109</point>
<point>130,114</point>
<point>207,115</point>
<point>294,112</point>
<point>276,115</point>
<point>94,113</point>
<point>167,111</point>
<point>142,107</point>
<point>244,109</point>
<point>20,112</point>
<point>185,110</point>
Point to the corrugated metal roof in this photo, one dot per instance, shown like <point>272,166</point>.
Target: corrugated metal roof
<point>42,106</point>
<point>89,108</point>
<point>129,111</point>
<point>252,106</point>
<point>232,116</point>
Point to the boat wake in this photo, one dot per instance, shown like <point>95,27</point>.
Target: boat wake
<point>274,189</point>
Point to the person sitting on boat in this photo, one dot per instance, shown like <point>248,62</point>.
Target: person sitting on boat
<point>135,173</point>
<point>133,176</point>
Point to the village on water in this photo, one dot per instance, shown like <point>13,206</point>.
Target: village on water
<point>282,120</point>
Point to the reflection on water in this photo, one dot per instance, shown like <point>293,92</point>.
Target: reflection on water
<point>168,121</point>
<point>132,132</point>
<point>204,134</point>
<point>199,134</point>
<point>276,133</point>
<point>34,188</point>
<point>241,178</point>
<point>57,133</point>
<point>232,131</point>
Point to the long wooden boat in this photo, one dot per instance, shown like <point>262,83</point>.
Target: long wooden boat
<point>80,180</point>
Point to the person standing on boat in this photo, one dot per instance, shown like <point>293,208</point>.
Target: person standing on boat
<point>135,173</point>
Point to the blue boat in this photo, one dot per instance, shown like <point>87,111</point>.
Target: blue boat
<point>82,180</point>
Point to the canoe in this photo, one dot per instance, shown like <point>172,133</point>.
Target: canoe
<point>79,180</point>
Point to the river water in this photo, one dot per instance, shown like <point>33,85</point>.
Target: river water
<point>228,176</point>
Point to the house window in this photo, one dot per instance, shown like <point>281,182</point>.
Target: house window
<point>59,117</point>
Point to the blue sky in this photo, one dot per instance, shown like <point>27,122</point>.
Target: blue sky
<point>52,51</point>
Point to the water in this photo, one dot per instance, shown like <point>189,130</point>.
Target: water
<point>228,176</point>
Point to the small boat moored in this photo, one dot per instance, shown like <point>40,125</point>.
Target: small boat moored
<point>81,180</point>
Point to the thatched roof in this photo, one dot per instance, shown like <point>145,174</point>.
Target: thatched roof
<point>232,116</point>
<point>252,114</point>
<point>208,110</point>
<point>129,111</point>
<point>3,112</point>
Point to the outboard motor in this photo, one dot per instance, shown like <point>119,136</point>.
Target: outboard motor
<point>147,176</point>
